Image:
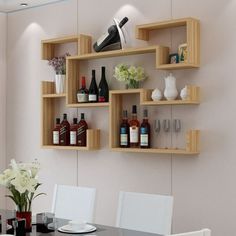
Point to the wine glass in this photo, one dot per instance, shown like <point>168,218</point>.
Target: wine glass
<point>157,127</point>
<point>177,129</point>
<point>166,128</point>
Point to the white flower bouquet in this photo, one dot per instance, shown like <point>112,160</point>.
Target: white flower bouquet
<point>22,182</point>
<point>130,75</point>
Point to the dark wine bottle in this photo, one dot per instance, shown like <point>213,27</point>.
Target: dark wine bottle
<point>93,89</point>
<point>56,132</point>
<point>82,131</point>
<point>64,136</point>
<point>112,36</point>
<point>145,131</point>
<point>124,131</point>
<point>103,89</point>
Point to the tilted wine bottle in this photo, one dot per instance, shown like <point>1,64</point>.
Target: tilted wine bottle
<point>111,37</point>
<point>103,89</point>
<point>93,89</point>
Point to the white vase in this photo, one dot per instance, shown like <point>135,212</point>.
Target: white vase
<point>184,93</point>
<point>60,83</point>
<point>156,95</point>
<point>170,92</point>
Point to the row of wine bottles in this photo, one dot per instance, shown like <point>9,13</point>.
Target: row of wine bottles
<point>132,134</point>
<point>65,134</point>
<point>94,93</point>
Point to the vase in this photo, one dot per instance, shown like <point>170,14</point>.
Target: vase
<point>60,83</point>
<point>184,93</point>
<point>170,92</point>
<point>27,215</point>
<point>133,84</point>
<point>156,95</point>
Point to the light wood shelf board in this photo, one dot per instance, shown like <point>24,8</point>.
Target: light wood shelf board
<point>155,150</point>
<point>116,53</point>
<point>177,66</point>
<point>59,40</point>
<point>174,102</point>
<point>52,95</point>
<point>98,104</point>
<point>65,147</point>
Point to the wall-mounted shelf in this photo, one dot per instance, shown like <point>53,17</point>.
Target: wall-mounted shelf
<point>83,45</point>
<point>192,39</point>
<point>48,119</point>
<point>116,96</point>
<point>115,105</point>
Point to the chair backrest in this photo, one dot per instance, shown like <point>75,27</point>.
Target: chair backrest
<point>72,202</point>
<point>145,212</point>
<point>203,232</point>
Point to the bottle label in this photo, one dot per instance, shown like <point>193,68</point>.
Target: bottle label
<point>102,38</point>
<point>92,98</point>
<point>101,99</point>
<point>123,137</point>
<point>73,137</point>
<point>143,136</point>
<point>81,133</point>
<point>133,134</point>
<point>82,97</point>
<point>55,137</point>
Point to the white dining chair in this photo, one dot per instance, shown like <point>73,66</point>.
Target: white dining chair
<point>145,212</point>
<point>72,202</point>
<point>203,232</point>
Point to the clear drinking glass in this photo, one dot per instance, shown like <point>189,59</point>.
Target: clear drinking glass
<point>157,127</point>
<point>166,128</point>
<point>177,129</point>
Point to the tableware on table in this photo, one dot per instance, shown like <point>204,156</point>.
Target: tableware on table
<point>166,128</point>
<point>87,229</point>
<point>77,225</point>
<point>157,127</point>
<point>177,129</point>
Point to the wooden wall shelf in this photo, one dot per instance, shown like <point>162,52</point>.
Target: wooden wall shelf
<point>48,121</point>
<point>83,45</point>
<point>115,117</point>
<point>115,105</point>
<point>192,39</point>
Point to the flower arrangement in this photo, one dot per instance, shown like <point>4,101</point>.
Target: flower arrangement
<point>59,64</point>
<point>22,182</point>
<point>130,75</point>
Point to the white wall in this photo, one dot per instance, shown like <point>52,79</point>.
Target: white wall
<point>3,22</point>
<point>203,186</point>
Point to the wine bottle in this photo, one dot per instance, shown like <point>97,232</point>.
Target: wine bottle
<point>145,131</point>
<point>124,131</point>
<point>81,131</point>
<point>103,89</point>
<point>56,132</point>
<point>73,133</point>
<point>64,137</point>
<point>112,36</point>
<point>134,128</point>
<point>82,95</point>
<point>93,89</point>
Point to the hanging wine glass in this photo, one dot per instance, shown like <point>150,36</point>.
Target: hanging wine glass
<point>177,129</point>
<point>157,127</point>
<point>166,128</point>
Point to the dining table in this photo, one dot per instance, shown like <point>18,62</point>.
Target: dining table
<point>101,230</point>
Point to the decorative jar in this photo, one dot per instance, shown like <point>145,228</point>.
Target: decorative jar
<point>170,92</point>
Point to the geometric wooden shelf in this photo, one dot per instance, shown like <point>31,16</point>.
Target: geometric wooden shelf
<point>88,105</point>
<point>115,117</point>
<point>83,45</point>
<point>192,39</point>
<point>48,121</point>
<point>93,142</point>
<point>73,65</point>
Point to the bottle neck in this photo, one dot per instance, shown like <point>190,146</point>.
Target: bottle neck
<point>134,116</point>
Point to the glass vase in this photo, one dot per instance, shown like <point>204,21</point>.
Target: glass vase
<point>27,215</point>
<point>133,84</point>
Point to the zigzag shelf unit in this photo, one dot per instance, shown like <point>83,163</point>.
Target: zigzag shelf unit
<point>162,62</point>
